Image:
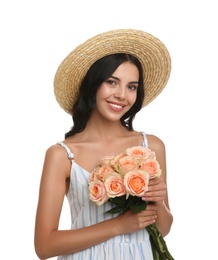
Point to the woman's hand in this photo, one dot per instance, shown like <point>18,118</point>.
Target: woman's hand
<point>156,191</point>
<point>130,222</point>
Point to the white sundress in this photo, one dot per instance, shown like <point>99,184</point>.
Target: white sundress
<point>84,212</point>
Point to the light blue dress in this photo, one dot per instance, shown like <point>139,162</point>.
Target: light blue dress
<point>84,212</point>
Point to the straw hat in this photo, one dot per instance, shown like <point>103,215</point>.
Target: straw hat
<point>150,51</point>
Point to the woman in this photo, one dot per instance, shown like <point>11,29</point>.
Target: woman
<point>103,83</point>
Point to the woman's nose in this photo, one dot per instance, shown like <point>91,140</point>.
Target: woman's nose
<point>120,92</point>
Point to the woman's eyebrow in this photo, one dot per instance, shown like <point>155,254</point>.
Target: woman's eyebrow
<point>132,82</point>
<point>114,77</point>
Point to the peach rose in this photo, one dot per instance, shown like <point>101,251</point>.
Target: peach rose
<point>106,159</point>
<point>116,159</point>
<point>150,166</point>
<point>136,182</point>
<point>114,185</point>
<point>93,175</point>
<point>97,192</point>
<point>140,152</point>
<point>126,164</point>
<point>103,171</point>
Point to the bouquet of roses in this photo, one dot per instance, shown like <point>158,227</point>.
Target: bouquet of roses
<point>123,179</point>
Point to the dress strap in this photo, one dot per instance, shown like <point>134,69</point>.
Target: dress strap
<point>70,155</point>
<point>145,140</point>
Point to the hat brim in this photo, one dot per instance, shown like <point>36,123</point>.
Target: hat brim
<point>150,51</point>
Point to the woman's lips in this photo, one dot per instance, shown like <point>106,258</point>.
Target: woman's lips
<point>116,106</point>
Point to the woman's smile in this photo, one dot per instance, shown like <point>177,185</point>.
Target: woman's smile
<point>115,106</point>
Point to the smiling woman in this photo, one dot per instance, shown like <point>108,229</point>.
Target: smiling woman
<point>103,84</point>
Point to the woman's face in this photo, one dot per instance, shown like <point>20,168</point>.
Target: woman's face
<point>118,93</point>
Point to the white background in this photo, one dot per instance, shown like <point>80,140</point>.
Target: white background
<point>37,35</point>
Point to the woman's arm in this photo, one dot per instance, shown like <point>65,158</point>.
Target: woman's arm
<point>157,191</point>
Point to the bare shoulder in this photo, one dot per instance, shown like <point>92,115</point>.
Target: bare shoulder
<point>56,158</point>
<point>56,151</point>
<point>156,144</point>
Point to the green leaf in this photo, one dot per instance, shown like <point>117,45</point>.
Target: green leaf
<point>138,207</point>
<point>136,204</point>
<point>119,200</point>
<point>114,210</point>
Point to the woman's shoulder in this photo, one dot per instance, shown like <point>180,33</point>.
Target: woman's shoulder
<point>155,143</point>
<point>57,159</point>
<point>56,152</point>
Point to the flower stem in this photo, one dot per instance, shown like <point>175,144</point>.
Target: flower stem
<point>158,244</point>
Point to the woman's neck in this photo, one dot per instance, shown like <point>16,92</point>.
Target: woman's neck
<point>105,130</point>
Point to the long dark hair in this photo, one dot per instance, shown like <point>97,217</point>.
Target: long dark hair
<point>96,75</point>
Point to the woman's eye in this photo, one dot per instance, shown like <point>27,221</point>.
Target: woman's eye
<point>111,82</point>
<point>132,87</point>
